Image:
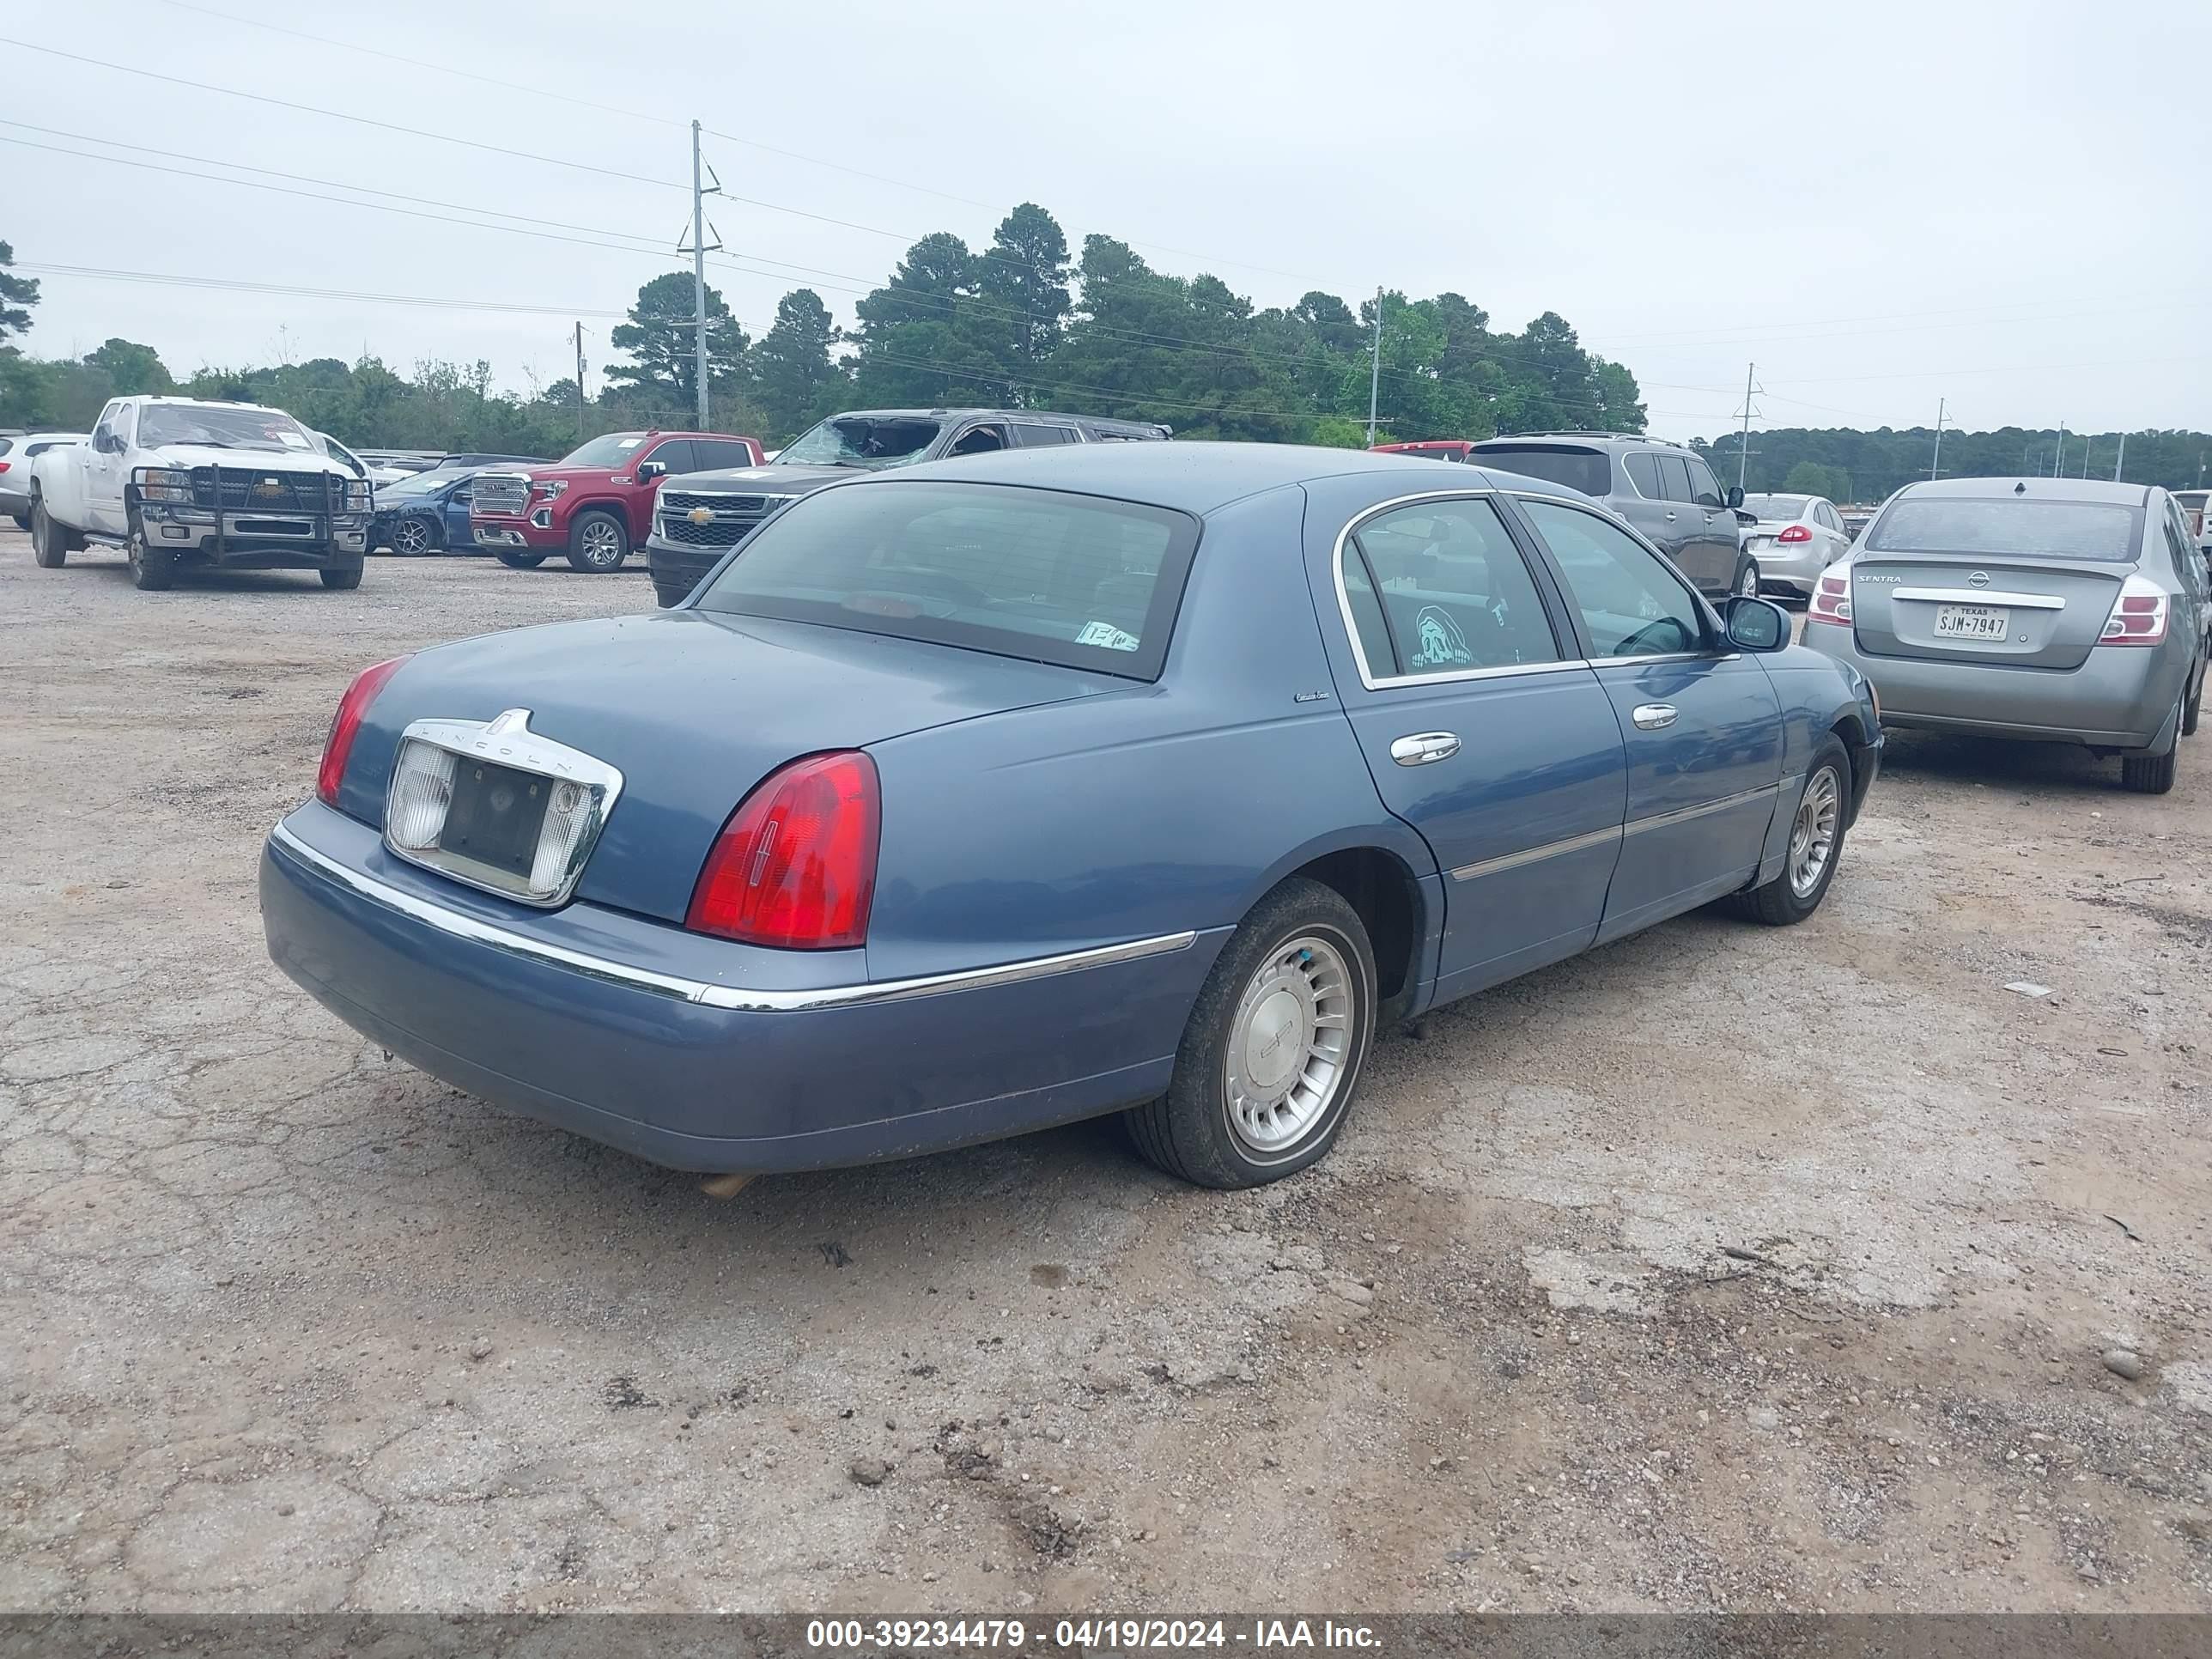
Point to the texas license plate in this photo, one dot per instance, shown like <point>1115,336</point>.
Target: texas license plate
<point>1971,622</point>
<point>496,815</point>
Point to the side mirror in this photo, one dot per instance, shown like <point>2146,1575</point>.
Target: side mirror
<point>1736,496</point>
<point>1756,624</point>
<point>651,470</point>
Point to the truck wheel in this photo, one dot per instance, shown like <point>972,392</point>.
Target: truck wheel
<point>520,560</point>
<point>597,542</point>
<point>342,577</point>
<point>48,546</point>
<point>22,521</point>
<point>151,568</point>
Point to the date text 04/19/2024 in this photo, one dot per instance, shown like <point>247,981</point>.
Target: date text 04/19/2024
<point>1116,1634</point>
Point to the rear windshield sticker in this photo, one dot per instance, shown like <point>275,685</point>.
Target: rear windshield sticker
<point>1442,643</point>
<point>1106,634</point>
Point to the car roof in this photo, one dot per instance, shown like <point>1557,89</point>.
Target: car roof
<point>2049,489</point>
<point>965,412</point>
<point>1198,478</point>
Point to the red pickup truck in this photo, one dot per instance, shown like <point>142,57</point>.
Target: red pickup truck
<point>595,504</point>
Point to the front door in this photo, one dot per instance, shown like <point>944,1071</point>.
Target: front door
<point>105,475</point>
<point>1479,725</point>
<point>1715,534</point>
<point>1702,725</point>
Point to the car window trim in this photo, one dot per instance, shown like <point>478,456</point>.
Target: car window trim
<point>1539,573</point>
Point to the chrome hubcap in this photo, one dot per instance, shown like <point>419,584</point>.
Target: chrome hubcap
<point>1749,587</point>
<point>413,538</point>
<point>600,546</point>
<point>1812,838</point>
<point>1288,1044</point>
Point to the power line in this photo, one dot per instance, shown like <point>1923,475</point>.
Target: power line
<point>168,279</point>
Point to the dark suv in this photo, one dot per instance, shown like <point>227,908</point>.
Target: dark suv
<point>699,518</point>
<point>1664,489</point>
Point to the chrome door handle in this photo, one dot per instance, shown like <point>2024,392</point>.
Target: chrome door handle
<point>1670,515</point>
<point>1654,716</point>
<point>1423,747</point>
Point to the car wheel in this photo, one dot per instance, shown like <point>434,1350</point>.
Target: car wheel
<point>22,520</point>
<point>1746,581</point>
<point>151,568</point>
<point>1816,844</point>
<point>1271,1057</point>
<point>413,536</point>
<point>520,560</point>
<point>344,577</point>
<point>47,546</point>
<point>2152,774</point>
<point>597,542</point>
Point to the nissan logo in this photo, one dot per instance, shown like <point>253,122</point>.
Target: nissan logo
<point>1979,579</point>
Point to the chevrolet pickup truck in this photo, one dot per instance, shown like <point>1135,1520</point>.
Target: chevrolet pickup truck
<point>178,484</point>
<point>597,503</point>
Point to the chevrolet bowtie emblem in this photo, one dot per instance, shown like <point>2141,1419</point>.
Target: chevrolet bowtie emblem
<point>702,515</point>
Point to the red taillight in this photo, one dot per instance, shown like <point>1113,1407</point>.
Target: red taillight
<point>2138,615</point>
<point>795,866</point>
<point>345,725</point>
<point>1832,598</point>
<point>4,466</point>
<point>1795,533</point>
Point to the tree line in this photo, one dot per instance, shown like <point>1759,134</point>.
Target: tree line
<point>1846,465</point>
<point>1021,322</point>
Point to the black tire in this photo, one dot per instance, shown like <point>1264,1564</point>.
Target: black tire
<point>2151,775</point>
<point>342,577</point>
<point>22,520</point>
<point>1778,903</point>
<point>1186,1132</point>
<point>514,561</point>
<point>599,542</point>
<point>414,535</point>
<point>1746,581</point>
<point>152,569</point>
<point>49,545</point>
<point>2195,706</point>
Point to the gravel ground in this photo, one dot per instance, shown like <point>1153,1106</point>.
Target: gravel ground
<point>1722,1268</point>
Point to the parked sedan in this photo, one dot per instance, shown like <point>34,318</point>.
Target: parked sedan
<point>16,453</point>
<point>992,795</point>
<point>2053,609</point>
<point>1796,537</point>
<point>427,512</point>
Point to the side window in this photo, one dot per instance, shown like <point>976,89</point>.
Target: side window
<point>674,454</point>
<point>105,423</point>
<point>1036,437</point>
<point>1704,490</point>
<point>1643,473</point>
<point>979,440</point>
<point>1675,479</point>
<point>2188,563</point>
<point>713,452</point>
<point>1828,517</point>
<point>1452,589</point>
<point>1632,602</point>
<point>1372,632</point>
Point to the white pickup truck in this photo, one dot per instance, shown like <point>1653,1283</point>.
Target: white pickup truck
<point>179,484</point>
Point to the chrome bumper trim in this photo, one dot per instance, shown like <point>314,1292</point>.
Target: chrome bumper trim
<point>735,999</point>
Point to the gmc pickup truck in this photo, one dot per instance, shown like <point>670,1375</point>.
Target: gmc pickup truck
<point>177,485</point>
<point>596,504</point>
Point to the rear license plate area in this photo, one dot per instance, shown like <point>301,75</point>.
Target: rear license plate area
<point>1971,622</point>
<point>495,817</point>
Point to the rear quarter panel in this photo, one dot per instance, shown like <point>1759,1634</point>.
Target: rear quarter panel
<point>1142,811</point>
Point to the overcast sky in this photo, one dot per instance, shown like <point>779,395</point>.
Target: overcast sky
<point>2007,205</point>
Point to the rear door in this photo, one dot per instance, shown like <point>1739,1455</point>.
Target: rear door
<point>1038,435</point>
<point>1645,502</point>
<point>2017,580</point>
<point>1456,668</point>
<point>1679,520</point>
<point>1701,724</point>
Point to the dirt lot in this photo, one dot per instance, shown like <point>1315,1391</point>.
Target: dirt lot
<point>1722,1268</point>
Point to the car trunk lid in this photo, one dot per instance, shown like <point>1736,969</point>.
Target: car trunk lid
<point>1983,608</point>
<point>694,709</point>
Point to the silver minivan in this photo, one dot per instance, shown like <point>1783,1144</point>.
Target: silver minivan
<point>2058,610</point>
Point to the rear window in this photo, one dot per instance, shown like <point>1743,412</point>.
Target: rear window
<point>2192,499</point>
<point>2021,528</point>
<point>1583,470</point>
<point>1037,574</point>
<point>1776,508</point>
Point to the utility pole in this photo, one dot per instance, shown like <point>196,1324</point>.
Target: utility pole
<point>1938,461</point>
<point>2088,444</point>
<point>580,380</point>
<point>699,271</point>
<point>1375,370</point>
<point>2121,460</point>
<point>2059,460</point>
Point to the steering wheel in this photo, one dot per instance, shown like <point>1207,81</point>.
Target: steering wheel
<point>1640,640</point>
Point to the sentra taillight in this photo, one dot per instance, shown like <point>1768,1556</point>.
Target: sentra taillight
<point>795,866</point>
<point>345,726</point>
<point>1795,533</point>
<point>2138,615</point>
<point>1831,597</point>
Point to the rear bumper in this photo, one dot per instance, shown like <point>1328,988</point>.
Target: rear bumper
<point>256,541</point>
<point>501,1003</point>
<point>1787,568</point>
<point>2119,698</point>
<point>14,500</point>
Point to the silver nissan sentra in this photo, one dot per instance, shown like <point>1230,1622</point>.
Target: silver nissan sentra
<point>2058,610</point>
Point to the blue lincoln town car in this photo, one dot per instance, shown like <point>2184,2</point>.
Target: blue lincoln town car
<point>963,800</point>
